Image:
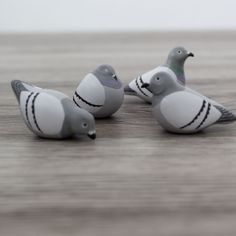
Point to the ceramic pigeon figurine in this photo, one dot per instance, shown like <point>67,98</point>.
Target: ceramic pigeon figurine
<point>51,114</point>
<point>174,66</point>
<point>180,110</point>
<point>100,92</point>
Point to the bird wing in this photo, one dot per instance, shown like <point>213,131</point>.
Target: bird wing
<point>42,112</point>
<point>19,86</point>
<point>90,94</point>
<point>135,85</point>
<point>188,111</point>
<point>25,102</point>
<point>208,99</point>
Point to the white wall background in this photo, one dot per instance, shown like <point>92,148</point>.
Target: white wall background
<point>90,15</point>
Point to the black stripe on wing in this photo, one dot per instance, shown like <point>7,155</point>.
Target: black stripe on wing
<point>26,108</point>
<point>141,79</point>
<point>33,112</point>
<point>206,115</point>
<point>139,88</point>
<point>76,102</point>
<point>88,103</point>
<point>198,114</point>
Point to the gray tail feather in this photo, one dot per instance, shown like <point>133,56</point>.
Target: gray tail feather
<point>129,91</point>
<point>18,87</point>
<point>226,116</point>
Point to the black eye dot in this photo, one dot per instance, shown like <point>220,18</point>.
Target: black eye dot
<point>158,78</point>
<point>84,125</point>
<point>179,51</point>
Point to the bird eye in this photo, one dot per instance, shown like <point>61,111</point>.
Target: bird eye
<point>179,51</point>
<point>158,78</point>
<point>84,125</point>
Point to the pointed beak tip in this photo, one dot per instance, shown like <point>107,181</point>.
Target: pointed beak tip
<point>115,77</point>
<point>190,54</point>
<point>92,136</point>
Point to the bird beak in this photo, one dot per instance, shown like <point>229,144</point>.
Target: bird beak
<point>115,77</point>
<point>190,54</point>
<point>92,134</point>
<point>145,85</point>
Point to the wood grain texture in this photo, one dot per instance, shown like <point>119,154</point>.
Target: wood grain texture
<point>134,178</point>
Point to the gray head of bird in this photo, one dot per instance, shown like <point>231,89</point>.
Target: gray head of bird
<point>82,122</point>
<point>107,76</point>
<point>178,55</point>
<point>161,82</point>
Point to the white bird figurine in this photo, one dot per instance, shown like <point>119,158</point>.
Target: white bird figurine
<point>52,114</point>
<point>101,92</point>
<point>174,66</point>
<point>181,110</point>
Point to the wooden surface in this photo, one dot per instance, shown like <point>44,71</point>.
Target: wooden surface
<point>134,179</point>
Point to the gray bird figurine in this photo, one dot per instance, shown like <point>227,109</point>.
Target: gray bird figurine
<point>51,114</point>
<point>101,92</point>
<point>181,110</point>
<point>174,66</point>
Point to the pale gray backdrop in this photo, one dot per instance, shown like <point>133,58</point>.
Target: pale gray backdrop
<point>103,15</point>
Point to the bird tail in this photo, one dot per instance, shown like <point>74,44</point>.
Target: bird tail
<point>129,91</point>
<point>226,116</point>
<point>18,87</point>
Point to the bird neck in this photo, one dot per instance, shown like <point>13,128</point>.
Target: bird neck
<point>157,99</point>
<point>177,67</point>
<point>175,87</point>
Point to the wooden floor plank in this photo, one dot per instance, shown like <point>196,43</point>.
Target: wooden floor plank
<point>134,178</point>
